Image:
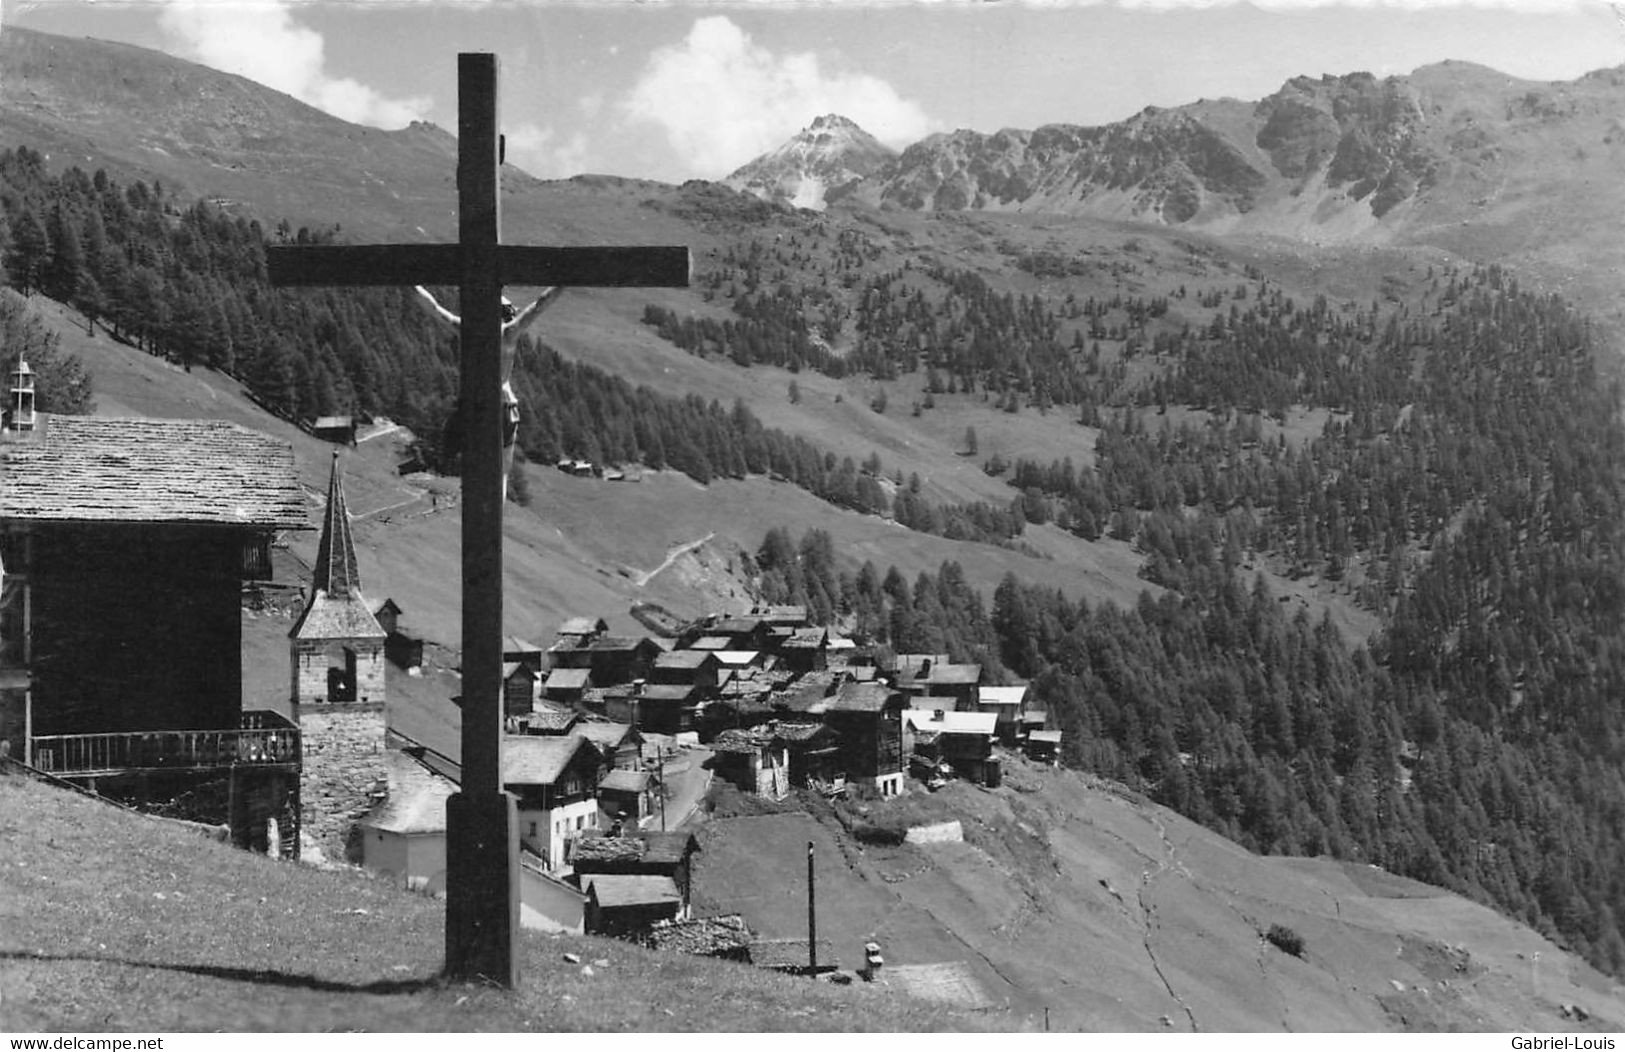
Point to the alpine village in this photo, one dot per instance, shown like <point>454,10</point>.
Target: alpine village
<point>1189,601</point>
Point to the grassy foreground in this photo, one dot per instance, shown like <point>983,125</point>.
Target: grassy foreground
<point>111,921</point>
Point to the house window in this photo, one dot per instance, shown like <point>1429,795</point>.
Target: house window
<point>533,829</point>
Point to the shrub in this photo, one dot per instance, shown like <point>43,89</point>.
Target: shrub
<point>1285,939</point>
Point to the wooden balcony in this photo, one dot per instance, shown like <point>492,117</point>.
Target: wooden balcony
<point>264,739</point>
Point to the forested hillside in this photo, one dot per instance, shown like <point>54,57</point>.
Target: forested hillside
<point>1467,487</point>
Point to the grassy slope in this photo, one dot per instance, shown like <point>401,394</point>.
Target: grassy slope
<point>110,922</point>
<point>1114,913</point>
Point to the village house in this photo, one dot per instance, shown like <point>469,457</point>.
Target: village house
<point>567,686</point>
<point>582,629</point>
<point>124,545</point>
<point>526,653</point>
<point>658,708</point>
<point>520,686</point>
<point>755,761</point>
<point>547,718</point>
<point>405,835</point>
<point>624,796</point>
<point>963,740</point>
<point>1006,703</point>
<point>641,853</point>
<point>814,752</point>
<point>612,659</point>
<point>786,616</point>
<point>628,906</point>
<point>556,782</point>
<point>620,745</point>
<point>336,429</point>
<point>867,719</point>
<point>697,668</point>
<point>807,650</point>
<point>1043,746</point>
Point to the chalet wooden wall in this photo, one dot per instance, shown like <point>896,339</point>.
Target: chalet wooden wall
<point>136,627</point>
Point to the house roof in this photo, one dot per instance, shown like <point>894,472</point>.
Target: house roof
<point>740,741</point>
<point>618,644</point>
<point>604,733</point>
<point>808,694</point>
<point>529,759</point>
<point>568,679</point>
<point>711,643</point>
<point>738,657</point>
<point>795,614</point>
<point>685,659</point>
<point>667,847</point>
<point>1001,695</point>
<point>582,626</point>
<point>667,692</point>
<point>417,797</point>
<point>807,639</point>
<point>860,697</point>
<point>545,717</point>
<point>979,723</point>
<point>625,781</point>
<point>800,732</point>
<point>325,423</point>
<point>737,626</point>
<point>515,645</point>
<point>95,469</point>
<point>1053,737</point>
<point>509,668</point>
<point>954,675</point>
<point>631,889</point>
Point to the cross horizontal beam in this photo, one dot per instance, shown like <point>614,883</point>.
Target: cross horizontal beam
<point>603,266</point>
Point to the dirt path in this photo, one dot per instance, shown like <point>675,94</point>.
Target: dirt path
<point>671,557</point>
<point>1148,912</point>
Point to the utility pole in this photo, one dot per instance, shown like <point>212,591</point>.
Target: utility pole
<point>812,915</point>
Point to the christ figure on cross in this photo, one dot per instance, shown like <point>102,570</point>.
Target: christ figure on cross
<point>514,324</point>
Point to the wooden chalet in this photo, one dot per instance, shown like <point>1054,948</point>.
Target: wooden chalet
<point>123,548</point>
<point>698,668</point>
<point>1007,704</point>
<point>755,761</point>
<point>867,719</point>
<point>611,659</point>
<point>339,430</point>
<point>623,795</point>
<point>806,650</point>
<point>566,686</point>
<point>963,740</point>
<point>556,781</point>
<point>520,687</point>
<point>628,906</point>
<point>645,853</point>
<point>516,649</point>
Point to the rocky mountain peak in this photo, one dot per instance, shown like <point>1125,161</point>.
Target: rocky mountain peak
<point>823,158</point>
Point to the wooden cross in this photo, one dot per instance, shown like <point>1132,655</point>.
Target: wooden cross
<point>482,861</point>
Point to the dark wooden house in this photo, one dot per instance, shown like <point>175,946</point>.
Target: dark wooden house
<point>867,719</point>
<point>124,545</point>
<point>401,649</point>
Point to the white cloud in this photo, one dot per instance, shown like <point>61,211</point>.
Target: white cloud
<point>722,99</point>
<point>544,153</point>
<point>263,42</point>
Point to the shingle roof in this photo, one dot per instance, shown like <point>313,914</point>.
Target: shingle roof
<point>807,639</point>
<point>417,797</point>
<point>666,692</point>
<point>684,659</point>
<point>548,718</point>
<point>953,722</point>
<point>1000,695</point>
<point>625,781</point>
<point>613,644</point>
<point>603,733</point>
<point>1053,737</point>
<point>567,679</point>
<point>954,674</point>
<point>667,847</point>
<point>632,889</point>
<point>711,643</point>
<point>538,759</point>
<point>860,697</point>
<point>94,469</point>
<point>581,626</point>
<point>799,732</point>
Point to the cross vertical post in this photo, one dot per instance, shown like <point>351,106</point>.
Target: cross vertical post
<point>482,861</point>
<point>482,841</point>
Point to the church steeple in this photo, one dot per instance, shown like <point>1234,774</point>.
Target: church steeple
<point>336,571</point>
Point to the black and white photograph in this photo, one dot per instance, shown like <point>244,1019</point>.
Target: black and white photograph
<point>1017,516</point>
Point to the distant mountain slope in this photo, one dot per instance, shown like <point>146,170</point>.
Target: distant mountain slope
<point>817,163</point>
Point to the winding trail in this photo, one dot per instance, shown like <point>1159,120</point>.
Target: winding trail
<point>671,557</point>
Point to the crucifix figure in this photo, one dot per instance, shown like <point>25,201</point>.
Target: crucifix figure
<point>514,324</point>
<point>482,860</point>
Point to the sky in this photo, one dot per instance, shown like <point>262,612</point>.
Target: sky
<point>680,89</point>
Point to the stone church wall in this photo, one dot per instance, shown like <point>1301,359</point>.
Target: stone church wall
<point>344,773</point>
